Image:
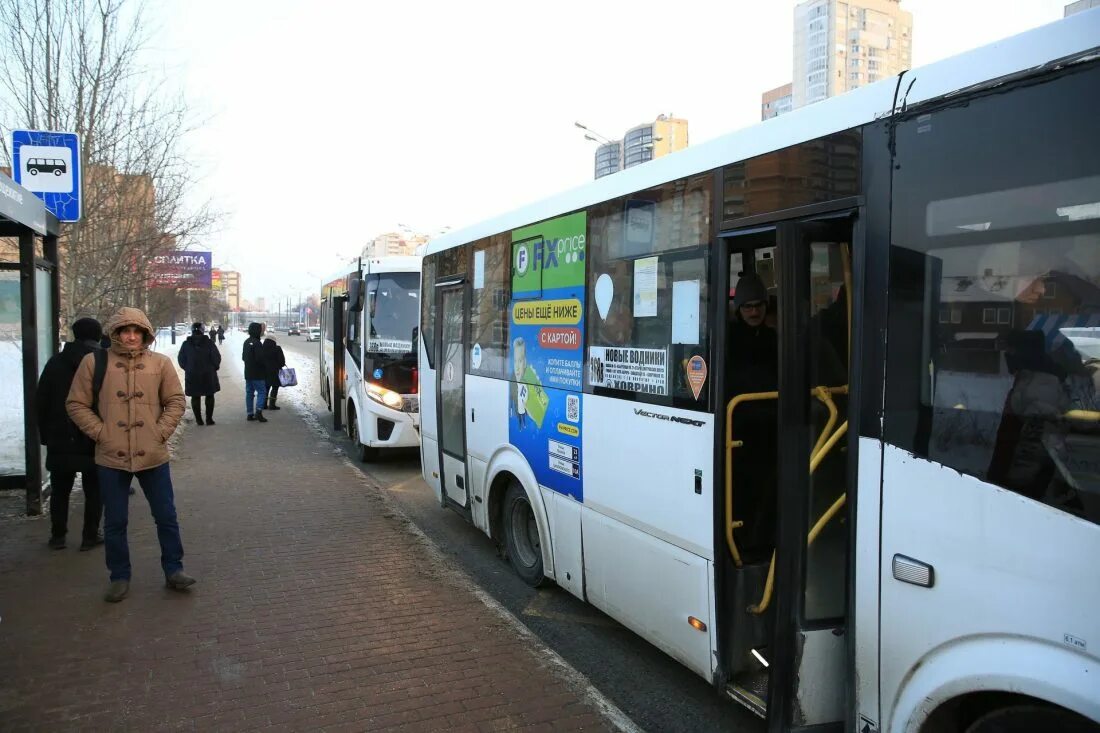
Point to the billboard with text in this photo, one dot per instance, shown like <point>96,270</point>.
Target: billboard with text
<point>181,270</point>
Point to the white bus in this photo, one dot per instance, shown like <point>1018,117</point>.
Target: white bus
<point>370,312</point>
<point>885,513</point>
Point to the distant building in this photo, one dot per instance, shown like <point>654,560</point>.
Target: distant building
<point>261,304</point>
<point>1080,6</point>
<point>609,158</point>
<point>841,45</point>
<point>231,283</point>
<point>642,143</point>
<point>775,102</point>
<point>393,243</point>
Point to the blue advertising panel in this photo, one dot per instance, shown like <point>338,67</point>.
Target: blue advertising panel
<point>545,358</point>
<point>48,164</point>
<point>180,270</point>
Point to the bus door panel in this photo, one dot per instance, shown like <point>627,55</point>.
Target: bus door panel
<point>451,368</point>
<point>809,649</point>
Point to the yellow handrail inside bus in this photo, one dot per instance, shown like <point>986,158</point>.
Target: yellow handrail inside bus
<point>815,461</point>
<point>730,445</point>
<point>823,394</point>
<point>1082,415</point>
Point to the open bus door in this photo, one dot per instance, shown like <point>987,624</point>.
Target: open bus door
<point>784,645</point>
<point>451,404</point>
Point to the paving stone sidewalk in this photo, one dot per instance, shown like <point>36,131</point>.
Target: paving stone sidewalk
<point>317,608</point>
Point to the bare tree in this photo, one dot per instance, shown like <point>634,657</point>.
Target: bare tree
<point>76,65</point>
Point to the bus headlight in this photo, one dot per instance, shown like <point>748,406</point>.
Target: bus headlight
<point>387,397</point>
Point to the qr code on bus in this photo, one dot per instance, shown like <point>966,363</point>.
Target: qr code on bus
<point>572,408</point>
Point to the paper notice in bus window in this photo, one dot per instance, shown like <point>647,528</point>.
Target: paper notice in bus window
<point>479,269</point>
<point>634,370</point>
<point>389,346</point>
<point>645,287</point>
<point>685,312</point>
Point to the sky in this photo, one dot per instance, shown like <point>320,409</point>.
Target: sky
<point>329,122</point>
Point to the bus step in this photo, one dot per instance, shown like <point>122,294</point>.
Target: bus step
<point>751,690</point>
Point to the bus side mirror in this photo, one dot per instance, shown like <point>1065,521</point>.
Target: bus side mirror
<point>355,295</point>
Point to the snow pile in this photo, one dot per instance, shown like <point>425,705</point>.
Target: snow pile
<point>12,446</point>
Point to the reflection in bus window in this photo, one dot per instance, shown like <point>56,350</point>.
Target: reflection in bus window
<point>1013,398</point>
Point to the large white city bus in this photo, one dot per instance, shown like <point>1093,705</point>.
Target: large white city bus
<point>883,515</point>
<point>369,318</point>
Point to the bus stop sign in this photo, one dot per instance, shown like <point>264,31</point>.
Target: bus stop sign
<point>48,164</point>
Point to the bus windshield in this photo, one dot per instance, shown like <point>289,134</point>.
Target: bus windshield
<point>394,306</point>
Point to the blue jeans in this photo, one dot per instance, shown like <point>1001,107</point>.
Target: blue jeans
<point>156,483</point>
<point>255,391</point>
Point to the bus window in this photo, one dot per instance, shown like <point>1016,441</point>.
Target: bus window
<point>995,272</point>
<point>647,294</point>
<point>490,293</point>
<point>427,307</point>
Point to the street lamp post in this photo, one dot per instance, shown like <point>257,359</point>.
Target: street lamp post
<point>592,134</point>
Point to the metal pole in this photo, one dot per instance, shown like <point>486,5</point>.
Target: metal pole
<point>33,449</point>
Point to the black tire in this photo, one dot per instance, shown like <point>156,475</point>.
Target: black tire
<point>57,172</point>
<point>364,453</point>
<point>33,171</point>
<point>521,536</point>
<point>1029,718</point>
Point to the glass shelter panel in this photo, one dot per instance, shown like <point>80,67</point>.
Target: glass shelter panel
<point>12,443</point>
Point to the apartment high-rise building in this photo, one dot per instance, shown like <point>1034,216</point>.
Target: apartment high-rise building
<point>775,102</point>
<point>392,243</point>
<point>231,282</point>
<point>609,158</point>
<point>642,143</point>
<point>840,45</point>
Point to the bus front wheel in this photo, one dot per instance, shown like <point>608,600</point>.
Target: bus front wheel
<point>521,536</point>
<point>365,453</point>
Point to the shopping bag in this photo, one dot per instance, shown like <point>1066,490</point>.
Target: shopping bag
<point>288,377</point>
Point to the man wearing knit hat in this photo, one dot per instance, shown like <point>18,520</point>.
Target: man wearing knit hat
<point>68,451</point>
<point>753,351</point>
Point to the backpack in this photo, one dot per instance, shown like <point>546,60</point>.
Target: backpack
<point>98,375</point>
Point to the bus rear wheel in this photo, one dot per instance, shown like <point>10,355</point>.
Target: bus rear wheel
<point>364,453</point>
<point>521,536</point>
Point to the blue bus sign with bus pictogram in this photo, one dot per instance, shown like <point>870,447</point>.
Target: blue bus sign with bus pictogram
<point>48,165</point>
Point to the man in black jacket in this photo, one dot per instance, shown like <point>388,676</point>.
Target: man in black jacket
<point>255,374</point>
<point>69,451</point>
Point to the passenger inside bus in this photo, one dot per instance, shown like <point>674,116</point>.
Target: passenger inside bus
<point>752,366</point>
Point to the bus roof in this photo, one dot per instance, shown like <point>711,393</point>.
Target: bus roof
<point>1029,51</point>
<point>392,263</point>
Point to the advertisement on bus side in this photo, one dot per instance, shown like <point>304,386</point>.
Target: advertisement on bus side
<point>545,359</point>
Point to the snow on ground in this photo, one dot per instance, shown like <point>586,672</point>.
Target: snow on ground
<point>12,445</point>
<point>305,397</point>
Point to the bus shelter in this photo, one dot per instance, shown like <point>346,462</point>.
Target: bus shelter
<point>30,298</point>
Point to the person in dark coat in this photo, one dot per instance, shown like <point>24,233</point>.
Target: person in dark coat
<point>69,451</point>
<point>199,357</point>
<point>255,377</point>
<point>221,335</point>
<point>274,360</point>
<point>752,366</point>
